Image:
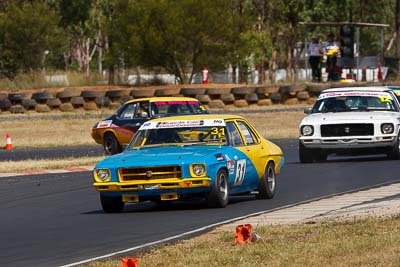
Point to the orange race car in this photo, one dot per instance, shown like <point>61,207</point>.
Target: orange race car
<point>115,132</point>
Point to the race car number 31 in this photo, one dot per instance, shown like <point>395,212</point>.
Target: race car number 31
<point>240,171</point>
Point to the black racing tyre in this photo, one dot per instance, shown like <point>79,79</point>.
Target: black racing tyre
<point>218,91</point>
<point>217,103</point>
<point>251,98</point>
<point>92,93</point>
<point>167,92</point>
<point>102,101</point>
<point>305,154</point>
<point>219,194</point>
<point>227,98</point>
<point>142,93</point>
<point>42,96</point>
<point>267,185</point>
<point>275,97</point>
<point>3,96</point>
<point>5,104</point>
<point>394,152</point>
<point>125,99</point>
<point>17,109</point>
<point>17,97</point>
<point>193,91</point>
<point>29,103</point>
<point>111,145</point>
<point>69,93</point>
<point>77,101</point>
<point>319,155</point>
<point>53,102</point>
<point>243,90</point>
<point>267,89</point>
<point>205,99</point>
<point>117,93</point>
<point>111,204</point>
<point>66,107</point>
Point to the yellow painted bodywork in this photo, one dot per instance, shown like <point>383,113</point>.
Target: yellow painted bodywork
<point>124,135</point>
<point>170,183</point>
<point>262,152</point>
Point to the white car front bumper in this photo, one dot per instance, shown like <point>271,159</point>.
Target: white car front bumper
<point>348,142</point>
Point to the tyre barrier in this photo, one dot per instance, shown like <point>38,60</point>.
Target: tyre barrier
<point>216,97</point>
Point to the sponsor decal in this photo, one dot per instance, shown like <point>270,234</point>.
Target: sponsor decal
<point>230,164</point>
<point>104,124</point>
<point>386,96</point>
<point>182,123</point>
<point>175,102</point>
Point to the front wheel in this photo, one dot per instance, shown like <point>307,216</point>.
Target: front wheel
<point>111,145</point>
<point>394,152</point>
<point>112,204</point>
<point>305,154</point>
<point>218,196</point>
<point>267,186</point>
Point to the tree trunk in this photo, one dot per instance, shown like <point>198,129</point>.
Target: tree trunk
<point>272,66</point>
<point>234,78</point>
<point>111,72</point>
<point>261,69</point>
<point>288,64</point>
<point>100,53</point>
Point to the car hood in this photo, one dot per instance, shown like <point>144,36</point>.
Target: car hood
<point>160,156</point>
<point>349,117</point>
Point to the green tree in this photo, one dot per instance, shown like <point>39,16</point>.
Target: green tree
<point>28,31</point>
<point>180,36</point>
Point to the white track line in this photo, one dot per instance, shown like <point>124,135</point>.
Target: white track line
<point>208,227</point>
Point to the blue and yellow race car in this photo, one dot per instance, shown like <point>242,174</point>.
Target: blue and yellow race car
<point>208,156</point>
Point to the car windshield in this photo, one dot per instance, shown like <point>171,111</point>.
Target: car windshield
<point>182,107</point>
<point>354,101</point>
<point>202,135</point>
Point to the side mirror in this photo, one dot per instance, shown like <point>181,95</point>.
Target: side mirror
<point>307,110</point>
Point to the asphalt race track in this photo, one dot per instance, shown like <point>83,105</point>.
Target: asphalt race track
<point>52,220</point>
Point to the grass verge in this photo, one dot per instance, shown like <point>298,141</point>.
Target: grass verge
<point>46,164</point>
<point>369,242</point>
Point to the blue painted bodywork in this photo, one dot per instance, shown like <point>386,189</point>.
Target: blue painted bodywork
<point>213,157</point>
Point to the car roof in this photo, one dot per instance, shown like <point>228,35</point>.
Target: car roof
<point>199,117</point>
<point>363,88</point>
<point>164,98</point>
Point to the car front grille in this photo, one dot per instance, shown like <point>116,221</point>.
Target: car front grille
<point>347,129</point>
<point>149,173</point>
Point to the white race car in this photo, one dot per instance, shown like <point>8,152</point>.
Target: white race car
<point>352,121</point>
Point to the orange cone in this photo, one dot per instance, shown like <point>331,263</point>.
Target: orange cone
<point>129,262</point>
<point>243,234</point>
<point>8,142</point>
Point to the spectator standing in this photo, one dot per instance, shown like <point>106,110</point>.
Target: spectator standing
<point>331,52</point>
<point>316,52</point>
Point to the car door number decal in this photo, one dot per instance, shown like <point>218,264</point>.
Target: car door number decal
<point>240,171</point>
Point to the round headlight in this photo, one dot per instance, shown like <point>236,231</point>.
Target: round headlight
<point>387,128</point>
<point>307,130</point>
<point>198,169</point>
<point>103,174</point>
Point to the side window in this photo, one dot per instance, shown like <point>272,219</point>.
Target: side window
<point>234,136</point>
<point>248,134</point>
<point>128,112</point>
